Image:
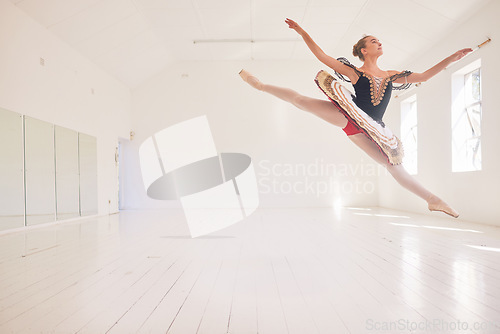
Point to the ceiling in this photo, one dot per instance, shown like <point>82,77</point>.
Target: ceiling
<point>135,39</point>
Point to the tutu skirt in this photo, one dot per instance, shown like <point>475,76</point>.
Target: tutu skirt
<point>382,136</point>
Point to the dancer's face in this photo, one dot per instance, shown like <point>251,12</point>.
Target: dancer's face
<point>373,47</point>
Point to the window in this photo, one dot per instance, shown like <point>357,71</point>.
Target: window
<point>409,133</point>
<point>466,118</point>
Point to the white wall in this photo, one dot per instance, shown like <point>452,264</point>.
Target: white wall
<point>476,195</point>
<point>245,120</point>
<point>60,91</point>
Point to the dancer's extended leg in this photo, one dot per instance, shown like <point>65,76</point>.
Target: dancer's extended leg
<point>327,111</point>
<point>321,108</point>
<point>402,176</point>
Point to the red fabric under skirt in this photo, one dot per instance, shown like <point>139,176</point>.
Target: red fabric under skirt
<point>351,128</point>
<point>387,142</point>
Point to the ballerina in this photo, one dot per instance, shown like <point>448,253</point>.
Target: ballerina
<point>361,117</point>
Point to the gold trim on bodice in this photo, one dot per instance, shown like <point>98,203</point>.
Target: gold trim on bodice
<point>377,91</point>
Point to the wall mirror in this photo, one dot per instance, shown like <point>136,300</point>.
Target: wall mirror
<point>11,170</point>
<point>40,171</point>
<point>88,174</point>
<point>47,172</point>
<point>67,178</point>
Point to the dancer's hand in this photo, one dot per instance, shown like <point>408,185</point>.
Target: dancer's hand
<point>460,54</point>
<point>294,25</point>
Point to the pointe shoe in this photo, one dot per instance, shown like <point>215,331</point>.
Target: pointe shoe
<point>250,79</point>
<point>443,207</point>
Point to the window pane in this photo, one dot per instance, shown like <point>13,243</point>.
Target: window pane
<point>474,118</point>
<point>466,120</point>
<point>476,85</point>
<point>409,134</point>
<point>472,87</point>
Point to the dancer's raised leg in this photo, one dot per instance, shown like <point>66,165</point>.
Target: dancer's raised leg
<point>402,176</point>
<point>321,108</point>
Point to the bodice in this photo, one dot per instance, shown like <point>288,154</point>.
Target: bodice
<point>373,93</point>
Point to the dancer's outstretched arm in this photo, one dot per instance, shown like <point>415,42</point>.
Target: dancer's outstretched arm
<point>320,54</point>
<point>421,77</point>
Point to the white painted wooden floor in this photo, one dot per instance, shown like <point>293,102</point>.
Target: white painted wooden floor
<point>279,271</point>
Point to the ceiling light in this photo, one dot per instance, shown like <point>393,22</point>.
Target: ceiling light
<point>242,40</point>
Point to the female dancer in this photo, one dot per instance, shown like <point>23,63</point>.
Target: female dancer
<point>362,120</point>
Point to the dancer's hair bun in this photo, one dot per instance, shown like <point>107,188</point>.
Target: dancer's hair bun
<point>356,49</point>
